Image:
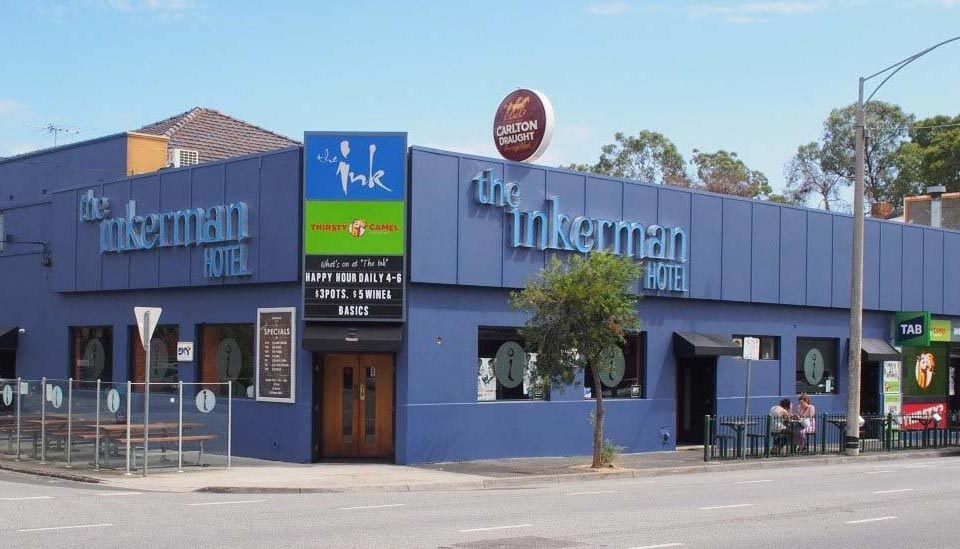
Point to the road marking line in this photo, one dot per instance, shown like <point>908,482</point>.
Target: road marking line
<point>26,498</point>
<point>726,506</point>
<point>877,472</point>
<point>754,481</point>
<point>894,491</point>
<point>65,527</point>
<point>488,528</point>
<point>658,546</point>
<point>229,502</point>
<point>869,520</point>
<point>590,493</point>
<point>920,466</point>
<point>107,494</point>
<point>372,506</point>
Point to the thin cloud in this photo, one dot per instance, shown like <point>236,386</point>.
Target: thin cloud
<point>155,6</point>
<point>753,12</point>
<point>12,109</point>
<point>609,8</point>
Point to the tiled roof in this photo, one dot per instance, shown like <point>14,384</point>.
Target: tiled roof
<point>215,135</point>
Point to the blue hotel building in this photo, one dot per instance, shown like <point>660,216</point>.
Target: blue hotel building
<point>718,268</point>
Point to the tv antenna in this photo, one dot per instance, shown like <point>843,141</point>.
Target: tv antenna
<point>55,130</point>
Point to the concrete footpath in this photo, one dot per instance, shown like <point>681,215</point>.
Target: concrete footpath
<point>260,476</point>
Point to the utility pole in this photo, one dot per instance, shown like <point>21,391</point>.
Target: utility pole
<point>852,439</point>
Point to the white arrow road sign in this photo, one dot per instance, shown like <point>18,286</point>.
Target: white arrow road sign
<point>147,323</point>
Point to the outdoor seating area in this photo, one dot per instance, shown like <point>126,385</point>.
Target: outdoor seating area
<point>98,425</point>
<point>756,437</point>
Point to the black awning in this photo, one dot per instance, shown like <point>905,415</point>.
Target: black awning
<point>329,338</point>
<point>8,338</point>
<point>688,344</point>
<point>877,350</point>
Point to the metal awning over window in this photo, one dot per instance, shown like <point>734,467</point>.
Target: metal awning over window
<point>357,339</point>
<point>689,344</point>
<point>877,350</point>
<point>8,338</point>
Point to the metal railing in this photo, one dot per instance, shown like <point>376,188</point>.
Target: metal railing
<point>96,424</point>
<point>762,436</point>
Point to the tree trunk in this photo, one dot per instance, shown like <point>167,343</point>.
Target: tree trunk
<point>597,419</point>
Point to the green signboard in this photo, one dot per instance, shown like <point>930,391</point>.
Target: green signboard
<point>940,330</point>
<point>912,329</point>
<point>925,371</point>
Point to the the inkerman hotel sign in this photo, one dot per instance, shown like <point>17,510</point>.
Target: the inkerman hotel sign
<point>354,226</point>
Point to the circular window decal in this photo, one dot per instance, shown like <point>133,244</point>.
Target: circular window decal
<point>612,367</point>
<point>813,366</point>
<point>94,358</point>
<point>229,359</point>
<point>510,364</point>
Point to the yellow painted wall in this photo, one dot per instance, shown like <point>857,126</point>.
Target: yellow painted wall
<point>145,153</point>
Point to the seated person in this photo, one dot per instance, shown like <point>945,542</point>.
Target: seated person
<point>779,413</point>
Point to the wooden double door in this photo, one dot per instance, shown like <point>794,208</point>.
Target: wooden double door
<point>358,406</point>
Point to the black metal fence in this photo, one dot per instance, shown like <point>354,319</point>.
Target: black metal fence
<point>763,436</point>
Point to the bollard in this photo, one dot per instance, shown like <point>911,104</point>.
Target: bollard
<point>229,424</point>
<point>180,430</point>
<point>43,420</point>
<point>96,444</point>
<point>129,408</point>
<point>706,438</point>
<point>69,422</point>
<point>19,390</point>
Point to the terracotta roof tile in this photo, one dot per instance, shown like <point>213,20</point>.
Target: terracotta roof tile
<point>215,135</point>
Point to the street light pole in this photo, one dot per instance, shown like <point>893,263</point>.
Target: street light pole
<point>852,441</point>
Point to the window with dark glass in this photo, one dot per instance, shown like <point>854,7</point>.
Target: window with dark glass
<point>163,359</point>
<point>769,345</point>
<point>622,372</point>
<point>92,353</point>
<point>504,367</point>
<point>227,356</point>
<point>817,365</point>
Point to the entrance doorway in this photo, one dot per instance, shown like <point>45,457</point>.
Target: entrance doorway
<point>696,396</point>
<point>357,406</point>
<point>870,403</point>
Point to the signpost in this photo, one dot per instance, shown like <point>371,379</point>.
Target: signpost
<point>751,352</point>
<point>147,318</point>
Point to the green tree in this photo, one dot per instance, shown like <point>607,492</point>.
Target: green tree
<point>579,310</point>
<point>932,157</point>
<point>723,172</point>
<point>649,157</point>
<point>807,178</point>
<point>887,129</point>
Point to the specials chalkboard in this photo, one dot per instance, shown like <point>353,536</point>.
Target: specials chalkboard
<point>276,354</point>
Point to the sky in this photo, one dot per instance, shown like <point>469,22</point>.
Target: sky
<point>754,77</point>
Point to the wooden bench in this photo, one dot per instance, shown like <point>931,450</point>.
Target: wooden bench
<point>166,440</point>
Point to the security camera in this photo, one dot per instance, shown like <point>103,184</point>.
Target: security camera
<point>22,331</point>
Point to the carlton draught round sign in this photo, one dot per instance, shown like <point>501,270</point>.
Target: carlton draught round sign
<point>523,125</point>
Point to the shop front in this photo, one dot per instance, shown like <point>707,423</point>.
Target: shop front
<point>355,295</point>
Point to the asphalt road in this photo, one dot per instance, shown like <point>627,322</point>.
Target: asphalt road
<point>914,503</point>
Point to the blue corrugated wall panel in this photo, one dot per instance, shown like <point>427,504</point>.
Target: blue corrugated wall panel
<point>793,256</point>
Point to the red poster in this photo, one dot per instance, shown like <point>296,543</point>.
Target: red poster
<point>920,416</point>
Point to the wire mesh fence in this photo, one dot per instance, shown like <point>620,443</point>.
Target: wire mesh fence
<point>764,436</point>
<point>133,427</point>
